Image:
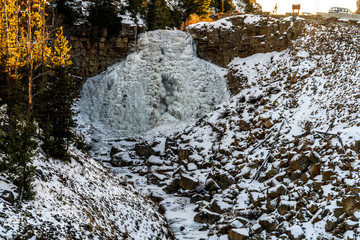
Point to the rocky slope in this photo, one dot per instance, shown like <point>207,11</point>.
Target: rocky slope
<point>79,200</point>
<point>280,160</point>
<point>243,35</point>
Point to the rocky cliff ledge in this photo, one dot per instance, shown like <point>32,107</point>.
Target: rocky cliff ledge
<point>242,36</point>
<point>93,50</point>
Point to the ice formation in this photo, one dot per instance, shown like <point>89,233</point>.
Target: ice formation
<point>163,81</point>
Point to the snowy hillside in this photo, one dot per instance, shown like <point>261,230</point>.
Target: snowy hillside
<point>79,200</point>
<point>278,160</point>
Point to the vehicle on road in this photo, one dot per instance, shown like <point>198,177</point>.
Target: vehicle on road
<point>339,10</point>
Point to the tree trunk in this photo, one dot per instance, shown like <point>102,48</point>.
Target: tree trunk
<point>30,61</point>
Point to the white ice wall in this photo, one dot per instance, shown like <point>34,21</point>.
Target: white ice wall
<point>163,81</point>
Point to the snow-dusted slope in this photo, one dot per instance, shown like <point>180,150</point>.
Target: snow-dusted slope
<point>79,200</point>
<point>162,82</point>
<point>281,159</point>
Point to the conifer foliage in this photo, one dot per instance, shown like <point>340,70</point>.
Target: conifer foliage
<point>158,16</point>
<point>30,68</point>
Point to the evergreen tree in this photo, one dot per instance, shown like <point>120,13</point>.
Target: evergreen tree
<point>104,14</point>
<point>137,7</point>
<point>18,146</point>
<point>218,5</point>
<point>55,114</point>
<point>68,9</point>
<point>158,16</point>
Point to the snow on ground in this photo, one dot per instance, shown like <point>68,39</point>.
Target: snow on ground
<point>80,200</point>
<point>280,159</point>
<point>300,108</point>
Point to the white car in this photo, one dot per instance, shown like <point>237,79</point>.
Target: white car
<point>339,10</point>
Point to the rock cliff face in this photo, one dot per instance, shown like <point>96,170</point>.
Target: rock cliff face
<point>242,36</point>
<point>93,50</point>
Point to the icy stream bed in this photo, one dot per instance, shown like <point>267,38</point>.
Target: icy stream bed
<point>159,89</point>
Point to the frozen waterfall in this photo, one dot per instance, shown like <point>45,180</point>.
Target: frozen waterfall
<point>162,82</point>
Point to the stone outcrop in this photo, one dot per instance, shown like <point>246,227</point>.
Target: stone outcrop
<point>93,49</point>
<point>242,36</point>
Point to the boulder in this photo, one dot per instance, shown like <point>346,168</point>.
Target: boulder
<point>121,159</point>
<point>211,185</point>
<point>144,150</point>
<point>299,162</point>
<point>356,146</point>
<point>183,155</point>
<point>173,186</point>
<point>187,182</point>
<point>327,175</point>
<point>350,205</point>
<point>330,225</point>
<point>7,196</point>
<point>219,206</point>
<point>206,216</point>
<point>226,180</point>
<point>244,126</point>
<point>276,191</point>
<point>314,170</point>
<point>268,223</point>
<point>268,123</point>
<point>239,234</point>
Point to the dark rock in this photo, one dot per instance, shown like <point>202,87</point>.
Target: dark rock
<point>114,151</point>
<point>238,234</point>
<point>276,191</point>
<point>144,150</point>
<point>244,126</point>
<point>299,162</point>
<point>92,55</point>
<point>330,225</point>
<point>314,170</point>
<point>269,123</point>
<point>221,45</point>
<point>211,185</point>
<point>313,157</point>
<point>296,233</point>
<point>283,209</point>
<point>294,175</point>
<point>183,155</point>
<point>173,186</point>
<point>269,224</point>
<point>327,175</point>
<point>356,146</point>
<point>226,180</point>
<point>7,196</point>
<point>206,216</point>
<point>156,197</point>
<point>218,207</point>
<point>350,205</point>
<point>187,182</point>
<point>199,197</point>
<point>121,159</point>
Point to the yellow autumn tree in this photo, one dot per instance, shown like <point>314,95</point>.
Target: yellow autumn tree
<point>9,45</point>
<point>60,56</point>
